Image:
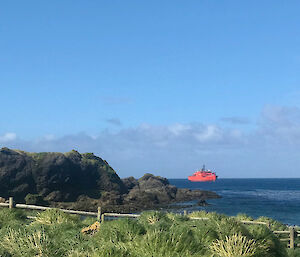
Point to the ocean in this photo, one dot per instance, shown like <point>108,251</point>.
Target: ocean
<point>275,198</point>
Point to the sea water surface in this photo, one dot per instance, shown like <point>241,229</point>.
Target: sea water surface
<point>275,198</point>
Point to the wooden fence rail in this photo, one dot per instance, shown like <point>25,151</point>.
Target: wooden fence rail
<point>12,205</point>
<point>117,215</point>
<point>293,235</point>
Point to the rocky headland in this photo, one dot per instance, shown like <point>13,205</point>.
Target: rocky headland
<point>84,182</point>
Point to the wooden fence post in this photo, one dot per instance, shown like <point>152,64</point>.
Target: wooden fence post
<point>292,237</point>
<point>102,217</point>
<point>99,214</point>
<point>184,212</point>
<point>11,203</point>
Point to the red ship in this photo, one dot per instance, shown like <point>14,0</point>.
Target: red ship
<point>203,175</point>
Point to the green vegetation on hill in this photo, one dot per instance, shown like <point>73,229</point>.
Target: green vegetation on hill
<point>158,234</point>
<point>55,177</point>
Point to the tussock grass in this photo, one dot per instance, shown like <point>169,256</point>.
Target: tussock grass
<point>161,243</point>
<point>153,217</point>
<point>55,216</point>
<point>234,246</point>
<point>293,252</point>
<point>274,224</point>
<point>23,243</point>
<point>154,234</point>
<point>12,218</point>
<point>243,216</point>
<point>122,230</point>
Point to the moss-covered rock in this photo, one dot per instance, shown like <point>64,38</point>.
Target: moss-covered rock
<point>35,199</point>
<point>55,176</point>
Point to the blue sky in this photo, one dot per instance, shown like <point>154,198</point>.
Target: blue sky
<point>156,86</point>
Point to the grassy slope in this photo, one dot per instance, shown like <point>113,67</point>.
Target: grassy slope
<point>154,234</point>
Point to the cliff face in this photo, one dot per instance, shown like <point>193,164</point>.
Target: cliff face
<point>56,176</point>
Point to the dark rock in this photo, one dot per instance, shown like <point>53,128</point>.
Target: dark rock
<point>83,203</point>
<point>149,181</point>
<point>202,203</point>
<point>111,198</point>
<point>150,191</point>
<point>184,194</point>
<point>130,182</point>
<point>16,174</point>
<point>141,197</point>
<point>55,196</point>
<point>56,176</point>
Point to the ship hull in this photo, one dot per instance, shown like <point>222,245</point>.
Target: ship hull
<point>202,179</point>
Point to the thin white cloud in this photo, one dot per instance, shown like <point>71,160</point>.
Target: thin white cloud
<point>178,128</point>
<point>210,133</point>
<point>8,137</point>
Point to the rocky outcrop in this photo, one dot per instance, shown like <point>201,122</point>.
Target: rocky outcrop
<point>15,174</point>
<point>130,182</point>
<point>83,182</point>
<point>56,176</point>
<point>152,190</point>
